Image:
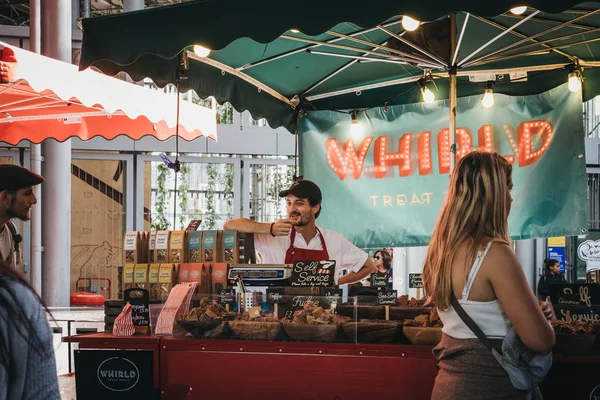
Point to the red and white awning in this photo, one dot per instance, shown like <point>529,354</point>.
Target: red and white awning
<point>42,98</point>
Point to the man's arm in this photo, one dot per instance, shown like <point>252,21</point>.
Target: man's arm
<point>280,228</point>
<point>362,273</point>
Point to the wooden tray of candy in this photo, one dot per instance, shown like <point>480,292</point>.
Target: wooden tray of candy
<point>422,335</point>
<point>311,332</point>
<point>373,331</point>
<point>397,313</point>
<point>251,330</point>
<point>199,329</point>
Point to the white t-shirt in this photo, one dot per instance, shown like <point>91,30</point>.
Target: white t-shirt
<point>346,255</point>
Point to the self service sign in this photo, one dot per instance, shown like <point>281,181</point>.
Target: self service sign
<point>115,375</point>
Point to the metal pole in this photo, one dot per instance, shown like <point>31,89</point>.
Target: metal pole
<point>452,99</point>
<point>35,278</point>
<point>56,207</point>
<point>133,5</point>
<point>86,12</point>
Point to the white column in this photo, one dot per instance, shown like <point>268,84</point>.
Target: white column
<point>399,270</point>
<point>133,5</point>
<point>35,278</point>
<point>56,207</point>
<point>525,250</point>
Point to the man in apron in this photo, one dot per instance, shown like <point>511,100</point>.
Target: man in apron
<point>16,199</point>
<point>297,238</point>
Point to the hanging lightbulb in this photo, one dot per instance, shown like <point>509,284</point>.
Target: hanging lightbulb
<point>428,96</point>
<point>488,95</point>
<point>518,10</point>
<point>201,51</point>
<point>488,98</point>
<point>574,82</point>
<point>409,24</point>
<point>355,127</point>
<point>294,31</point>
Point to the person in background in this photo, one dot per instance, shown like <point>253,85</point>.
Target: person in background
<point>551,276</point>
<point>27,364</point>
<point>16,200</point>
<point>469,257</point>
<point>383,262</point>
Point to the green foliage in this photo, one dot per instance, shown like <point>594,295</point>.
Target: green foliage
<point>160,221</point>
<point>183,194</point>
<point>210,220</point>
<point>227,181</point>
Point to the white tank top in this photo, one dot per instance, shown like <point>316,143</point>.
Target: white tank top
<point>488,315</point>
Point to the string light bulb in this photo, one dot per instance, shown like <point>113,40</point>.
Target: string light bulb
<point>488,96</point>
<point>410,24</point>
<point>355,127</point>
<point>201,51</point>
<point>574,82</point>
<point>518,10</point>
<point>428,96</point>
<point>294,31</point>
<point>575,78</point>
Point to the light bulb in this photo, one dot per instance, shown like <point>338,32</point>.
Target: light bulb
<point>574,82</point>
<point>488,98</point>
<point>409,24</point>
<point>294,31</point>
<point>518,10</point>
<point>355,129</point>
<point>201,51</point>
<point>428,96</point>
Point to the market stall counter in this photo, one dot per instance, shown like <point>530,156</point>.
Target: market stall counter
<point>295,370</point>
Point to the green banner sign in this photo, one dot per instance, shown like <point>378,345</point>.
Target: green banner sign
<point>384,184</point>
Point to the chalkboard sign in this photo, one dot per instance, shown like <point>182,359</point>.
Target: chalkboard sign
<point>332,296</point>
<point>275,296</point>
<point>227,296</point>
<point>387,297</point>
<point>140,311</point>
<point>379,280</point>
<point>313,273</point>
<point>572,294</point>
<point>577,313</point>
<point>296,303</point>
<point>415,281</point>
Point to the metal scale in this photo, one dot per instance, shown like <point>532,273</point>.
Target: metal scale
<point>254,279</point>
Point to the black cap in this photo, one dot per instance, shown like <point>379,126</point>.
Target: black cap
<point>14,177</point>
<point>303,189</point>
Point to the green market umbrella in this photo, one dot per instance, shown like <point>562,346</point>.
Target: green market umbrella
<point>279,59</point>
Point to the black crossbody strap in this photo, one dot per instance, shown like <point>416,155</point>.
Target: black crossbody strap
<point>15,235</point>
<point>470,323</point>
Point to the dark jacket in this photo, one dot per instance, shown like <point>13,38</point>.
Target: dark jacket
<point>548,279</point>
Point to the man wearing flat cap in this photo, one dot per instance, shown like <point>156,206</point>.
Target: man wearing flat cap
<point>16,199</point>
<point>298,238</point>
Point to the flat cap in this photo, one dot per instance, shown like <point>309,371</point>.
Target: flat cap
<point>14,177</point>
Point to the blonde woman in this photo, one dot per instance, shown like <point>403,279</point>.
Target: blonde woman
<point>469,256</point>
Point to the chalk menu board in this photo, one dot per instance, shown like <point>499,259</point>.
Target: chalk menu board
<point>387,297</point>
<point>379,280</point>
<point>140,310</point>
<point>576,302</point>
<point>332,296</point>
<point>275,296</point>
<point>313,273</point>
<point>415,281</point>
<point>227,296</point>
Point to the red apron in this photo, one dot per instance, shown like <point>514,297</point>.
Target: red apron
<point>294,254</point>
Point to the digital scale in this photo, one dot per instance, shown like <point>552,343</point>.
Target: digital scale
<point>260,274</point>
